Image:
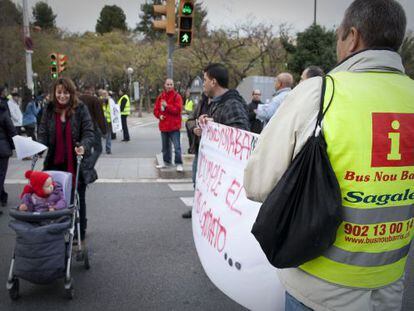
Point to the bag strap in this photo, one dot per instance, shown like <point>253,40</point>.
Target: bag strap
<point>322,112</point>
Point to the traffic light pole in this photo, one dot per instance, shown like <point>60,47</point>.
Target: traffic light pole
<point>170,44</point>
<point>26,29</point>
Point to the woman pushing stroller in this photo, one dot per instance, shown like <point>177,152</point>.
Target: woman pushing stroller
<point>67,130</point>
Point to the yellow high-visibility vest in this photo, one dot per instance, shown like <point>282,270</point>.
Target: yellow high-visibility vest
<point>107,112</point>
<point>127,109</point>
<point>369,131</point>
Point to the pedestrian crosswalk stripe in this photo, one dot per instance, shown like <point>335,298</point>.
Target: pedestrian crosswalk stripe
<point>181,187</point>
<point>188,201</point>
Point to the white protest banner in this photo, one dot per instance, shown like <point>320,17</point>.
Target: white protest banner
<point>115,116</point>
<point>223,218</point>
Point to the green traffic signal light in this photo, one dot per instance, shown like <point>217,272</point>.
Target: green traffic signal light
<point>187,9</point>
<point>54,75</point>
<point>185,38</point>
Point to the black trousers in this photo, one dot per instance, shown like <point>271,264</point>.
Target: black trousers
<point>30,131</point>
<point>125,127</point>
<point>4,164</point>
<point>82,209</point>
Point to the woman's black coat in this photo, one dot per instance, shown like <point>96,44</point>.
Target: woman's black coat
<point>82,132</point>
<point>7,131</point>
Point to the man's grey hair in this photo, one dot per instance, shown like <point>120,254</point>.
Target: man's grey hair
<point>382,23</point>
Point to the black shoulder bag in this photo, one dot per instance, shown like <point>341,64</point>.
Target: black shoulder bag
<point>299,219</point>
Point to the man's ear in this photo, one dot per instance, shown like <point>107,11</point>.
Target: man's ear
<point>356,44</point>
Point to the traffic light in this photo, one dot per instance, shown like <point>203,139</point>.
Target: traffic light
<point>168,23</point>
<point>54,65</point>
<point>185,23</point>
<point>62,62</point>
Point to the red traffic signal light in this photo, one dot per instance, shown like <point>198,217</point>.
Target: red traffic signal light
<point>62,62</point>
<point>185,24</point>
<point>168,10</point>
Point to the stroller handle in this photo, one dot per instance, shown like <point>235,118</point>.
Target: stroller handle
<point>34,161</point>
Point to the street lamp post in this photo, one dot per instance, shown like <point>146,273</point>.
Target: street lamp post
<point>35,75</point>
<point>314,12</point>
<point>130,71</point>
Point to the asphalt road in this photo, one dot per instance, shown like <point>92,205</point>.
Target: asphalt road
<point>141,252</point>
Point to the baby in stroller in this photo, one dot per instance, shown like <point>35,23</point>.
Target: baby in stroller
<point>42,193</point>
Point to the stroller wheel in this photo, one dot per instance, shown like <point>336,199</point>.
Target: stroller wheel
<point>14,289</point>
<point>86,259</point>
<point>69,290</point>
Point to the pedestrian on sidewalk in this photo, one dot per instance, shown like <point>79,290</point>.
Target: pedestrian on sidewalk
<point>193,126</point>
<point>256,125</point>
<point>99,124</point>
<point>167,109</point>
<point>125,105</point>
<point>106,106</point>
<point>15,112</point>
<point>310,72</point>
<point>187,112</point>
<point>371,111</point>
<point>30,112</point>
<point>7,131</point>
<point>67,130</point>
<point>283,85</point>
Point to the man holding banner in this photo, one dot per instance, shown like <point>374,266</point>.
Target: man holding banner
<point>369,129</point>
<point>227,106</point>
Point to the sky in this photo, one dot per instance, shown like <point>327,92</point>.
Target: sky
<point>81,15</point>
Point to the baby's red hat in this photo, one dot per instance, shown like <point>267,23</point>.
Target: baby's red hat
<point>37,180</point>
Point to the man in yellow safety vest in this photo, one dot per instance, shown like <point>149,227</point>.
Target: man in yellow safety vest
<point>125,106</point>
<point>369,131</point>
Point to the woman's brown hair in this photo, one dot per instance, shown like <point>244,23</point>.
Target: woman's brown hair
<point>71,88</point>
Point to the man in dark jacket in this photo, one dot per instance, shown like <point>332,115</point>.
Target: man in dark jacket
<point>227,106</point>
<point>7,131</point>
<point>99,124</point>
<point>192,126</point>
<point>256,125</point>
<point>4,99</point>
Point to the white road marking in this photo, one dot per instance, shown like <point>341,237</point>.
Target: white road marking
<point>188,201</point>
<point>182,187</point>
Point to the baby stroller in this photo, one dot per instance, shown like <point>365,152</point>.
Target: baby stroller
<point>45,241</point>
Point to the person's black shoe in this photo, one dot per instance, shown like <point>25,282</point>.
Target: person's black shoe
<point>3,198</point>
<point>186,214</point>
<point>108,152</point>
<point>125,140</point>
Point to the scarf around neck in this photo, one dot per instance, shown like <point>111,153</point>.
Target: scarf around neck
<point>60,149</point>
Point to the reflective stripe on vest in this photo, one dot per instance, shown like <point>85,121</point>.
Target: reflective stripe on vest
<point>127,109</point>
<point>369,131</point>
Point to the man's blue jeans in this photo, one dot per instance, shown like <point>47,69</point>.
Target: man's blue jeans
<point>108,140</point>
<point>195,161</point>
<point>292,304</point>
<point>168,138</point>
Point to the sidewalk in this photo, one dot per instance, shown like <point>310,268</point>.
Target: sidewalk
<point>111,169</point>
<point>119,167</point>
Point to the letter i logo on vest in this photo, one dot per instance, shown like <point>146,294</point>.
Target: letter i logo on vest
<point>392,139</point>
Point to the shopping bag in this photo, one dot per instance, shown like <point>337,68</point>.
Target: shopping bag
<point>299,219</point>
